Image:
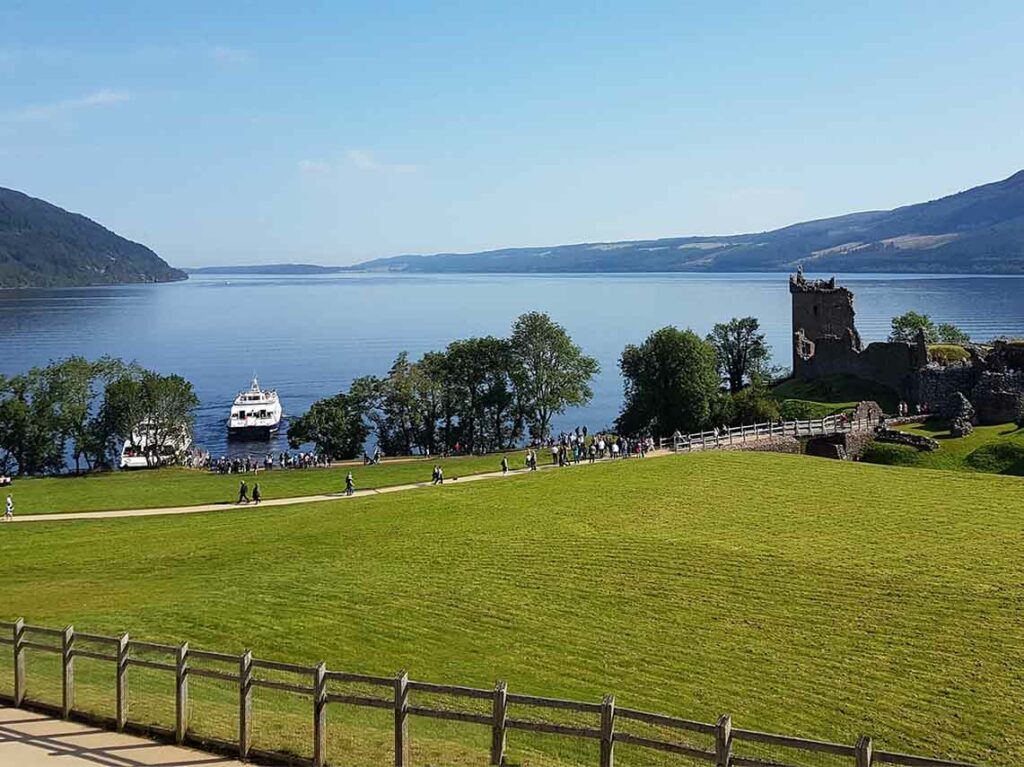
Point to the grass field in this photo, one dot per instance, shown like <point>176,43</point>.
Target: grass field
<point>833,394</point>
<point>803,596</point>
<point>991,449</point>
<point>187,487</point>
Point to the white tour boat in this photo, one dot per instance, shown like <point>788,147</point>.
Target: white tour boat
<point>143,452</point>
<point>256,413</point>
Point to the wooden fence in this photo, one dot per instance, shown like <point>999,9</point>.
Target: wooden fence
<point>759,432</point>
<point>609,728</point>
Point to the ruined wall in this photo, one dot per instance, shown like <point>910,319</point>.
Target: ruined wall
<point>996,397</point>
<point>826,341</point>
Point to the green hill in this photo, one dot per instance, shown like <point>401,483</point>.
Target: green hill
<point>803,596</point>
<point>980,230</point>
<point>42,245</point>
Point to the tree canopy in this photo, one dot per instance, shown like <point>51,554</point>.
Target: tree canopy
<point>906,326</point>
<point>741,351</point>
<point>671,383</point>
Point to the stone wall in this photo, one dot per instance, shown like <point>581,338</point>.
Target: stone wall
<point>849,446</point>
<point>826,341</point>
<point>997,397</point>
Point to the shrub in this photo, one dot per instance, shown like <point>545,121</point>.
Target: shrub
<point>890,455</point>
<point>998,458</point>
<point>947,354</point>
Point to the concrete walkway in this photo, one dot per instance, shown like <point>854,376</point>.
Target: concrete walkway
<point>449,481</point>
<point>28,739</point>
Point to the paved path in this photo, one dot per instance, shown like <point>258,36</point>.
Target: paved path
<point>28,739</point>
<point>80,515</point>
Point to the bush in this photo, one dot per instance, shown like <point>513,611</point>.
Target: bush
<point>803,410</point>
<point>947,354</point>
<point>998,458</point>
<point>890,455</point>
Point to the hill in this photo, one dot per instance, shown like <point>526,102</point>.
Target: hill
<point>42,245</point>
<point>802,596</point>
<point>980,230</point>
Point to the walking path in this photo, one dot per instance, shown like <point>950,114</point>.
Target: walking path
<point>740,436</point>
<point>81,515</point>
<point>28,739</point>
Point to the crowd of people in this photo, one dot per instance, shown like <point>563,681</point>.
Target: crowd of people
<point>284,460</point>
<point>577,446</point>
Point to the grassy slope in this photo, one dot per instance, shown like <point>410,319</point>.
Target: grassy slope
<point>993,449</point>
<point>833,394</point>
<point>184,487</point>
<point>802,596</point>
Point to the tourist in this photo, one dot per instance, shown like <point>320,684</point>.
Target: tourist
<point>243,492</point>
<point>504,464</point>
<point>257,496</point>
<point>350,485</point>
<point>9,509</point>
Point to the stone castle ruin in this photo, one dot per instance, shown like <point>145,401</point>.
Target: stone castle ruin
<point>826,343</point>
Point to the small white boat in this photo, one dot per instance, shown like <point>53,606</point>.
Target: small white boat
<point>142,451</point>
<point>256,413</point>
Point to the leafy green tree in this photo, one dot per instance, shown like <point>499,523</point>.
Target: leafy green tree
<point>140,404</point>
<point>741,351</point>
<point>335,425</point>
<point>906,326</point>
<point>31,428</point>
<point>76,382</point>
<point>550,372</point>
<point>671,383</point>
<point>951,334</point>
<point>753,405</point>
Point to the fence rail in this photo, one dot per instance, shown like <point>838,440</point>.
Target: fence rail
<point>316,682</point>
<point>760,432</point>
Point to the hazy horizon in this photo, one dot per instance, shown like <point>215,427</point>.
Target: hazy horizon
<point>255,134</point>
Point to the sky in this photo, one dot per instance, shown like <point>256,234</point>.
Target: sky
<point>334,132</point>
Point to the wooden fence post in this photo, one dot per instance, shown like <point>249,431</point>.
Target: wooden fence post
<point>864,755</point>
<point>245,705</point>
<point>499,712</point>
<point>320,715</point>
<point>608,731</point>
<point>723,741</point>
<point>181,693</point>
<point>67,649</point>
<point>401,719</point>
<point>121,713</point>
<point>18,637</point>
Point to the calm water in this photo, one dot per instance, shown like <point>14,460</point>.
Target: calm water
<point>310,336</point>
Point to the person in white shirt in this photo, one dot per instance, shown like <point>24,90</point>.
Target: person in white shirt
<point>9,510</point>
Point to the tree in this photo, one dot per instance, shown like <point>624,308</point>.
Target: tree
<point>741,351</point>
<point>906,327</point>
<point>671,383</point>
<point>31,428</point>
<point>951,334</point>
<point>550,372</point>
<point>76,383</point>
<point>336,426</point>
<point>142,405</point>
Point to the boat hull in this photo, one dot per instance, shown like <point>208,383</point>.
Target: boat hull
<point>253,433</point>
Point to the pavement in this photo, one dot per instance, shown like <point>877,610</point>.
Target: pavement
<point>28,739</point>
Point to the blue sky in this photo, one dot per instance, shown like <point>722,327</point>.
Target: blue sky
<point>221,133</point>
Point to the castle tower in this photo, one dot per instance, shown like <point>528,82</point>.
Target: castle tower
<point>822,312</point>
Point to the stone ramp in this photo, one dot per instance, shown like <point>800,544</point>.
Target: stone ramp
<point>28,739</point>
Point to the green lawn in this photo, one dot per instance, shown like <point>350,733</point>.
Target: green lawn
<point>803,596</point>
<point>833,394</point>
<point>186,487</point>
<point>991,449</point>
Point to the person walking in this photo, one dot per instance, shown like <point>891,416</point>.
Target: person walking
<point>9,509</point>
<point>504,464</point>
<point>257,496</point>
<point>243,492</point>
<point>350,484</point>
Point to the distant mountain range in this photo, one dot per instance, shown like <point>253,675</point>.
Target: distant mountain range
<point>977,231</point>
<point>267,269</point>
<point>42,245</point>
